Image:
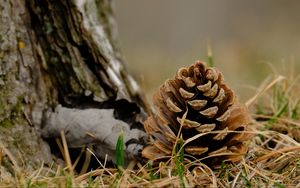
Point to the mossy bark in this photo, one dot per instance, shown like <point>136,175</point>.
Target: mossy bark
<point>50,52</point>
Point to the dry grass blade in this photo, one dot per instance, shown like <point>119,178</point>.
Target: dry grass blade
<point>158,183</point>
<point>66,152</point>
<point>143,170</point>
<point>282,120</point>
<point>102,165</point>
<point>213,132</point>
<point>86,162</point>
<point>214,178</point>
<point>273,153</point>
<point>78,158</point>
<point>263,90</point>
<point>126,173</point>
<point>259,172</point>
<point>88,174</point>
<point>179,132</point>
<point>236,179</point>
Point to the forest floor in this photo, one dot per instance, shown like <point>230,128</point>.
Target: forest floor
<point>272,160</point>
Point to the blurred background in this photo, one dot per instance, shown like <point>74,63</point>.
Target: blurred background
<point>249,39</point>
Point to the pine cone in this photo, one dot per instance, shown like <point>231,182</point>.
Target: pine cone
<point>211,110</point>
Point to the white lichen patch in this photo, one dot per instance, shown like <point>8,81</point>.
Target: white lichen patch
<point>134,87</point>
<point>91,22</point>
<point>114,77</point>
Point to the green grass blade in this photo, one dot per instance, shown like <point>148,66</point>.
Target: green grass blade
<point>296,110</point>
<point>120,162</point>
<point>279,185</point>
<point>210,59</point>
<point>179,158</point>
<point>152,175</point>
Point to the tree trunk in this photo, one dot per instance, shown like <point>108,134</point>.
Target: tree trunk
<point>57,52</point>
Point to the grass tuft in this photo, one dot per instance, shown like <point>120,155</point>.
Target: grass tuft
<point>120,161</point>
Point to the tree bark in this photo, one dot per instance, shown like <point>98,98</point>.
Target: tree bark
<point>58,52</point>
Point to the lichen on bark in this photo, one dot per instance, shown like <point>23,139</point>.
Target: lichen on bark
<point>19,91</point>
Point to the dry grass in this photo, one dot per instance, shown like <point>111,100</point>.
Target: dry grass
<point>273,159</point>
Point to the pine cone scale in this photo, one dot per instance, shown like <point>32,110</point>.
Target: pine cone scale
<point>221,150</point>
<point>220,97</point>
<point>188,124</point>
<point>206,128</point>
<point>212,92</point>
<point>204,88</point>
<point>173,89</point>
<point>197,104</point>
<point>224,116</point>
<point>163,147</point>
<point>196,150</point>
<point>209,112</point>
<point>172,105</point>
<point>185,94</point>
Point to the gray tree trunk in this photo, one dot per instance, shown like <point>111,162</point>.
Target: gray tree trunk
<point>57,52</point>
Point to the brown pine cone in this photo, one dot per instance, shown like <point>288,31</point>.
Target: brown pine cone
<point>211,110</point>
